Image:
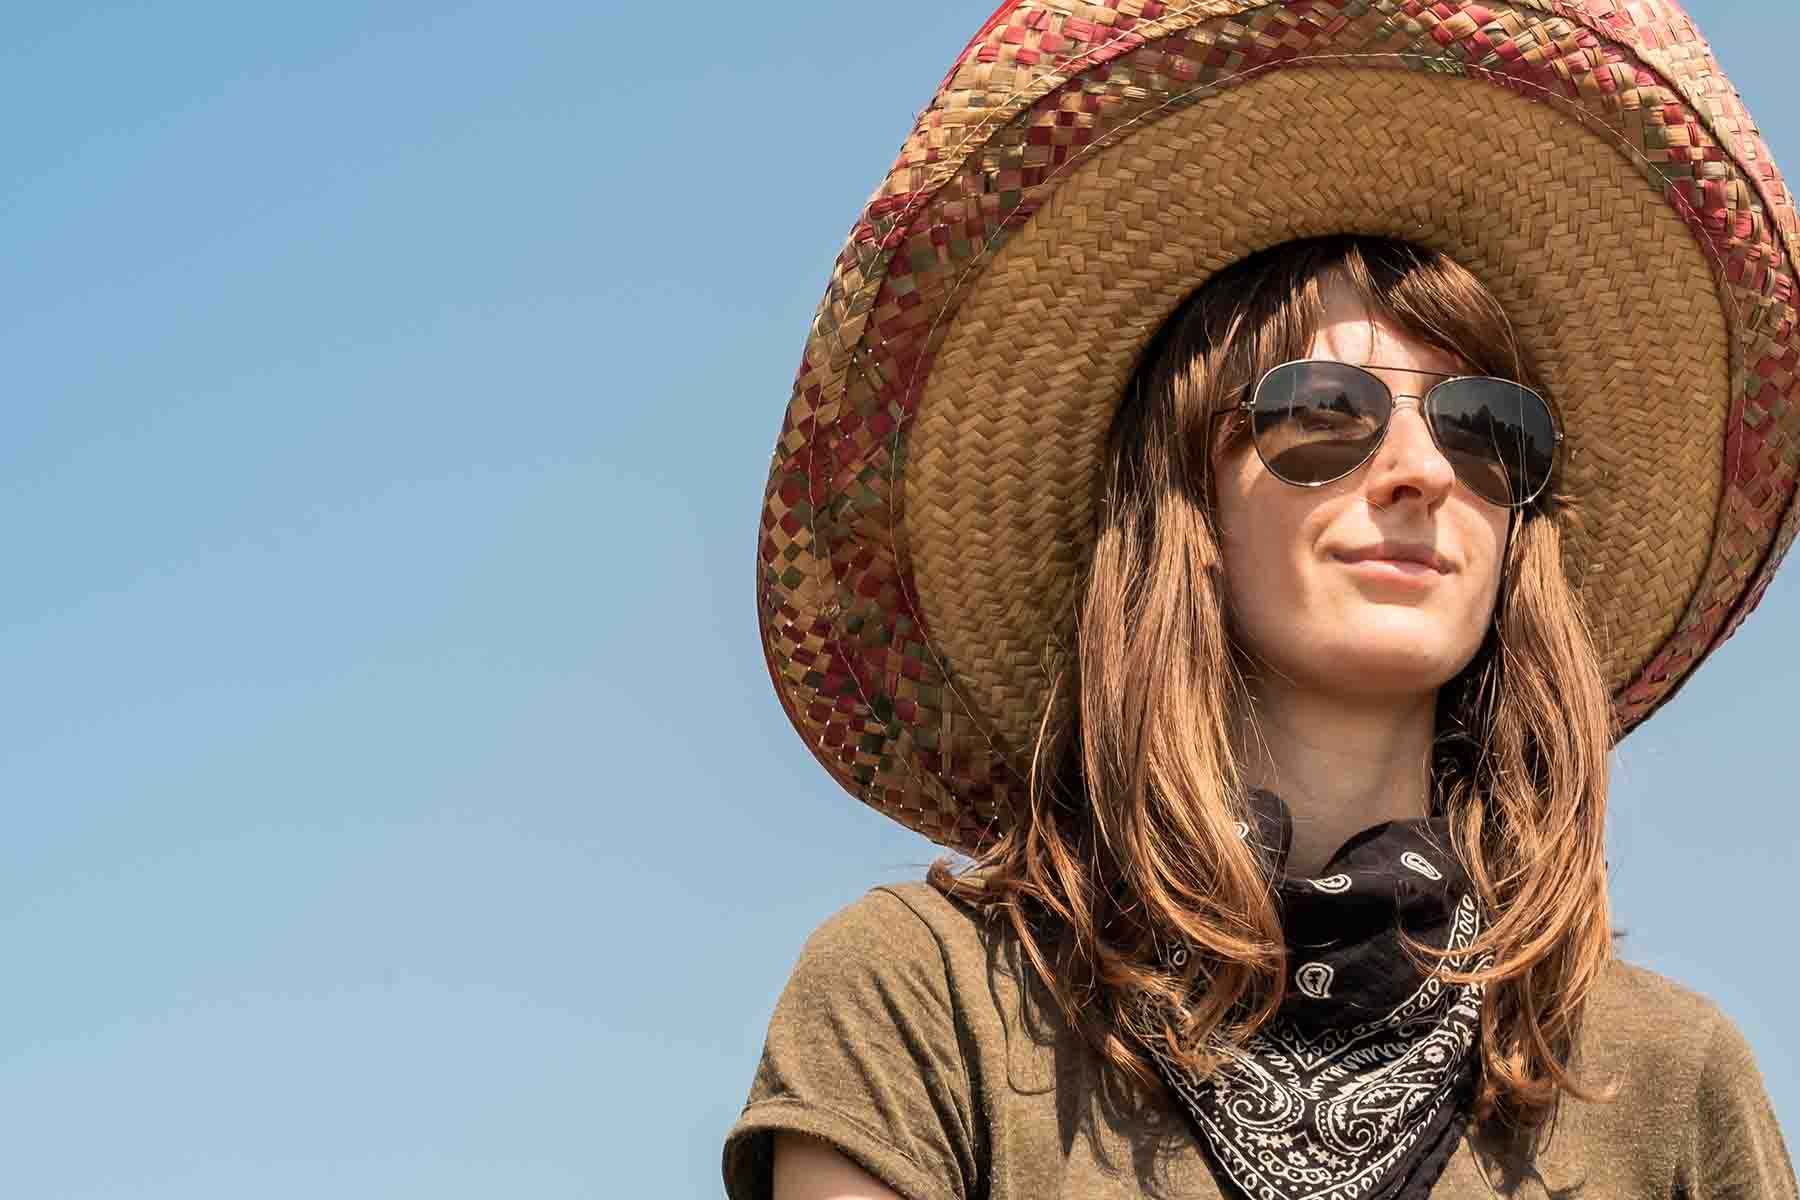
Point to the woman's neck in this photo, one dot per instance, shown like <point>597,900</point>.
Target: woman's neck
<point>1339,764</point>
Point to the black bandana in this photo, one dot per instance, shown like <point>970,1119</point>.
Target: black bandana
<point>1358,1088</point>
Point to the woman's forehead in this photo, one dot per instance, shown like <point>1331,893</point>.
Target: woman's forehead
<point>1350,331</point>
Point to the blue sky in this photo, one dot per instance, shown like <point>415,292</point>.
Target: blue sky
<point>398,804</point>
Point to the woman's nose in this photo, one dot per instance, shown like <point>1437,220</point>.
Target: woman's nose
<point>1409,464</point>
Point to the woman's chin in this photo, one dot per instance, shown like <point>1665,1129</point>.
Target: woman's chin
<point>1388,662</point>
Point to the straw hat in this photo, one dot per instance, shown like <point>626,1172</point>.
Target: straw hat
<point>1085,166</point>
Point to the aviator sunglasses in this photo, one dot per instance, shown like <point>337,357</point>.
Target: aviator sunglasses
<point>1316,420</point>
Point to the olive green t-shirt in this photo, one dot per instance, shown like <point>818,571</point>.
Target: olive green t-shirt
<point>911,1038</point>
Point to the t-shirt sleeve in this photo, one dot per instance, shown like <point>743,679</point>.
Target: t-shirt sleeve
<point>1738,1150</point>
<point>864,1051</point>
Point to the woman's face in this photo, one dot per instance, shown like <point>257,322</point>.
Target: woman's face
<point>1317,593</point>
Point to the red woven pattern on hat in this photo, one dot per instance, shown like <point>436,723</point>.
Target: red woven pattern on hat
<point>1047,83</point>
<point>1750,221</point>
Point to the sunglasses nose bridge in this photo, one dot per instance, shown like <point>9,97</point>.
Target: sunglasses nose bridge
<point>1428,446</point>
<point>1403,402</point>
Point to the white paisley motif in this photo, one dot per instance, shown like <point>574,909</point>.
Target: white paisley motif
<point>1336,1092</point>
<point>1243,831</point>
<point>1314,979</point>
<point>1332,883</point>
<point>1417,862</point>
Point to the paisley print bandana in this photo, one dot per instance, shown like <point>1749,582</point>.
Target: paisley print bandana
<point>1358,1088</point>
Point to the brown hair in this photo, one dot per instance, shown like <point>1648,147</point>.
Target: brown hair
<point>1129,835</point>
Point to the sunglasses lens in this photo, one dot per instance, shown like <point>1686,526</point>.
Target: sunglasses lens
<point>1317,421</point>
<point>1497,435</point>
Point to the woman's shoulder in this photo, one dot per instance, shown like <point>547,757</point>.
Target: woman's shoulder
<point>1687,1101</point>
<point>892,1041</point>
<point>1669,1041</point>
<point>909,929</point>
<point>1635,1013</point>
<point>912,911</point>
<point>944,959</point>
<point>1627,987</point>
<point>1659,1040</point>
<point>864,1050</point>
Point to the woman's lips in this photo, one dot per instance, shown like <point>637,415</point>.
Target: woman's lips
<point>1406,555</point>
<point>1394,568</point>
<point>1409,563</point>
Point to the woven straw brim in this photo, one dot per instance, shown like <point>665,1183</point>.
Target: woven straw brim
<point>930,509</point>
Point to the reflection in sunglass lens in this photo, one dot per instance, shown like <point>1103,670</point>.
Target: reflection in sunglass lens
<point>1316,421</point>
<point>1498,435</point>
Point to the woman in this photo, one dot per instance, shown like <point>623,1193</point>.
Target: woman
<point>1205,532</point>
